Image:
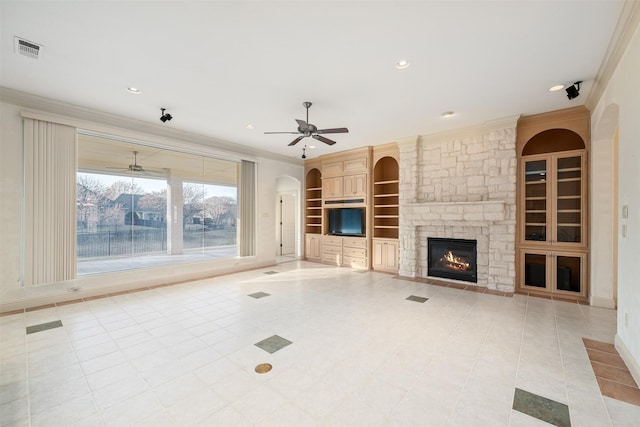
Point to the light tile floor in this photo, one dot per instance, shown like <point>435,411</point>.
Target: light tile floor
<point>361,355</point>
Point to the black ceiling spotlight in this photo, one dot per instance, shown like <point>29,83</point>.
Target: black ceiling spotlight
<point>165,117</point>
<point>574,90</point>
<point>304,156</point>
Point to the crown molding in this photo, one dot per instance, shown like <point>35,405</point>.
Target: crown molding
<point>99,121</point>
<point>628,23</point>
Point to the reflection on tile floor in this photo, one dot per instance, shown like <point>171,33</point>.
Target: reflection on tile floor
<point>184,355</point>
<point>258,295</point>
<point>539,407</point>
<point>273,344</point>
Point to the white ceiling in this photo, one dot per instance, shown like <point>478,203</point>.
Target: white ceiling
<point>219,66</point>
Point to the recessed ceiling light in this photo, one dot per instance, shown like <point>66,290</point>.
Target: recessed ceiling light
<point>402,64</point>
<point>250,126</point>
<point>556,88</point>
<point>312,146</point>
<point>447,114</point>
<point>133,90</point>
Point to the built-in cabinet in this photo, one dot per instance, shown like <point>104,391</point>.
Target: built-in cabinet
<point>385,255</point>
<point>552,239</point>
<point>345,183</point>
<point>366,178</point>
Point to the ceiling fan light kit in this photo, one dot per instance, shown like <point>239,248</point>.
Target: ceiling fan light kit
<point>306,129</point>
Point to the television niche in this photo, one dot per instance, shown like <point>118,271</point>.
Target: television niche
<point>346,222</point>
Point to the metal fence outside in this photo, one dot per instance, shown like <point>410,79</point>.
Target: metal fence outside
<point>138,241</point>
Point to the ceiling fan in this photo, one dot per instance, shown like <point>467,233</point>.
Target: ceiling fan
<point>138,169</point>
<point>306,129</point>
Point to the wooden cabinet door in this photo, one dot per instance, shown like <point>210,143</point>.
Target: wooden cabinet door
<point>556,272</point>
<point>391,255</point>
<point>332,187</point>
<point>355,185</point>
<point>385,255</point>
<point>313,246</point>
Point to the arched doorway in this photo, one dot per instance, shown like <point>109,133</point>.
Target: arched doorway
<point>604,209</point>
<point>288,235</point>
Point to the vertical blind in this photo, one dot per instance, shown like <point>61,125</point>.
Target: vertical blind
<point>49,202</point>
<point>247,206</point>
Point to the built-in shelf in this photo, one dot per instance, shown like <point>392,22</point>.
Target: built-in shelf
<point>313,201</point>
<point>386,193</point>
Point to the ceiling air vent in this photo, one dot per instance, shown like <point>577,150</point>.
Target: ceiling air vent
<point>27,48</point>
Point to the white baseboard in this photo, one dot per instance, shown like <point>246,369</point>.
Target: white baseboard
<point>602,302</point>
<point>632,364</point>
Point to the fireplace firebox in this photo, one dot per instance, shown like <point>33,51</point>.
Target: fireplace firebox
<point>452,259</point>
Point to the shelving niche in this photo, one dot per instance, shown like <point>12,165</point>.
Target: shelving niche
<point>313,214</point>
<point>386,198</point>
<point>313,202</point>
<point>386,208</point>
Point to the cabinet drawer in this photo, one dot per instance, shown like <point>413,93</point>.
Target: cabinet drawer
<point>331,258</point>
<point>354,252</point>
<point>332,240</point>
<point>354,242</point>
<point>328,249</point>
<point>355,262</point>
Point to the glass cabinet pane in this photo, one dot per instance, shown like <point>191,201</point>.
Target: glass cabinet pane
<point>568,200</point>
<point>536,200</point>
<point>535,270</point>
<point>568,273</point>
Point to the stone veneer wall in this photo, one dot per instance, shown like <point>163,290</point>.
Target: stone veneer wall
<point>461,186</point>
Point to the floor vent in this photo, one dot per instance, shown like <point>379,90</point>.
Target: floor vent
<point>27,48</point>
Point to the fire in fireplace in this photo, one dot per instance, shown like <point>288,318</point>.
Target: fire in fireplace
<point>452,259</point>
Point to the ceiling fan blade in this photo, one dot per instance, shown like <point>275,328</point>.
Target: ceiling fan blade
<point>293,133</point>
<point>295,141</point>
<point>302,125</point>
<point>334,130</point>
<point>323,139</point>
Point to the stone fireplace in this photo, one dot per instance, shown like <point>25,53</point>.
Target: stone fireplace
<point>461,186</point>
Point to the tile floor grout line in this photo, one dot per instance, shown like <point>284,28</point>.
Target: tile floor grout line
<point>554,307</point>
<point>26,362</point>
<point>601,396</point>
<point>524,325</point>
<point>477,357</point>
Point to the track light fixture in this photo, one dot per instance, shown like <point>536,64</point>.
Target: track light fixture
<point>165,117</point>
<point>574,90</point>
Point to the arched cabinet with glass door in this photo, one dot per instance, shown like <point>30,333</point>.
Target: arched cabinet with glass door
<point>552,240</point>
